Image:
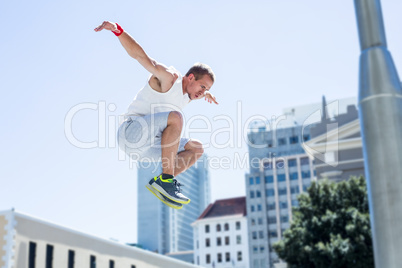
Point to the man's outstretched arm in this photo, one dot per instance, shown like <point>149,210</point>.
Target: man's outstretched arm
<point>137,52</point>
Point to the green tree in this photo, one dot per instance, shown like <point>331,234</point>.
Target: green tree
<point>330,228</point>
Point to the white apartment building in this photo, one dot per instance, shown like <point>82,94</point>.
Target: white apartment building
<point>221,235</point>
<point>28,242</point>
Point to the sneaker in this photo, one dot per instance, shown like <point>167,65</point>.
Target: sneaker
<point>170,188</point>
<point>165,200</point>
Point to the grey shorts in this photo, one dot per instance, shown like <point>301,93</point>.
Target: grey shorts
<point>140,137</point>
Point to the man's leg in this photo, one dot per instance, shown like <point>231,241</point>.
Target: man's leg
<point>165,183</point>
<point>170,142</point>
<point>185,159</point>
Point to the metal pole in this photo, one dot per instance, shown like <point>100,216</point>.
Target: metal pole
<point>380,112</point>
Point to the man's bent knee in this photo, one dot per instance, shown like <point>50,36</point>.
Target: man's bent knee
<point>195,146</point>
<point>175,118</point>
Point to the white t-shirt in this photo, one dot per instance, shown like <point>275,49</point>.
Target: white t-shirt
<point>150,101</point>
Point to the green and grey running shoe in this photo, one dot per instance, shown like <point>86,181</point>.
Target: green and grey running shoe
<point>165,200</point>
<point>170,188</point>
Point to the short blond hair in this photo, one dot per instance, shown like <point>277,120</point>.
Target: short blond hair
<point>201,69</point>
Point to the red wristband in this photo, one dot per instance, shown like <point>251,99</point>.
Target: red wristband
<point>118,29</point>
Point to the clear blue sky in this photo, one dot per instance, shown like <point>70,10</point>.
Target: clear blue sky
<point>267,54</point>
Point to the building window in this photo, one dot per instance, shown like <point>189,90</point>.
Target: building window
<point>272,220</point>
<point>251,194</point>
<point>270,192</point>
<point>262,249</point>
<point>267,165</point>
<point>198,260</point>
<point>269,143</point>
<point>198,244</point>
<point>259,221</point>
<point>207,243</point>
<point>239,256</point>
<point>294,189</point>
<point>259,207</point>
<point>133,266</point>
<point>226,226</point>
<point>281,177</point>
<point>207,228</point>
<point>280,164</point>
<point>258,193</point>
<point>282,191</point>
<point>294,140</point>
<point>71,258</point>
<point>306,137</point>
<point>227,257</point>
<point>208,258</point>
<point>261,234</point>
<point>238,239</point>
<point>251,180</point>
<point>219,257</point>
<point>32,255</point>
<point>269,179</point>
<point>49,256</point>
<point>271,206</point>
<point>218,241</point>
<point>92,261</point>
<point>281,141</point>
<point>293,176</point>
<point>252,222</point>
<point>252,208</point>
<point>238,226</point>
<point>254,235</point>
<point>283,204</point>
<point>305,188</point>
<point>273,234</point>
<point>111,263</point>
<point>304,161</point>
<point>284,218</point>
<point>295,203</point>
<point>255,249</point>
<point>292,163</point>
<point>257,180</point>
<point>227,241</point>
<point>218,227</point>
<point>305,174</point>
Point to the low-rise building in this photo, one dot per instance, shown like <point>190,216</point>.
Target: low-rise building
<point>28,242</point>
<point>220,235</point>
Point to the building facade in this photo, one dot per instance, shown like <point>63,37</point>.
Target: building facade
<point>221,235</point>
<point>336,147</point>
<point>28,242</point>
<point>280,170</point>
<point>272,191</point>
<point>165,230</point>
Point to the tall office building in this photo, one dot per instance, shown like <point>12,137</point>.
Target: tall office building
<point>283,171</point>
<point>279,171</point>
<point>163,229</point>
<point>337,150</point>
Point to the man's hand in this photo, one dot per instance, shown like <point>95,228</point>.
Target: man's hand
<point>210,98</point>
<point>107,25</point>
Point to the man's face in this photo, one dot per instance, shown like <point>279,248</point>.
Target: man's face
<point>197,88</point>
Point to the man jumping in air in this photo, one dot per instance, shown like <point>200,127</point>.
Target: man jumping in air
<point>153,122</point>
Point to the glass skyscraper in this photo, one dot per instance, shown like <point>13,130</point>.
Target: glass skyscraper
<point>163,229</point>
